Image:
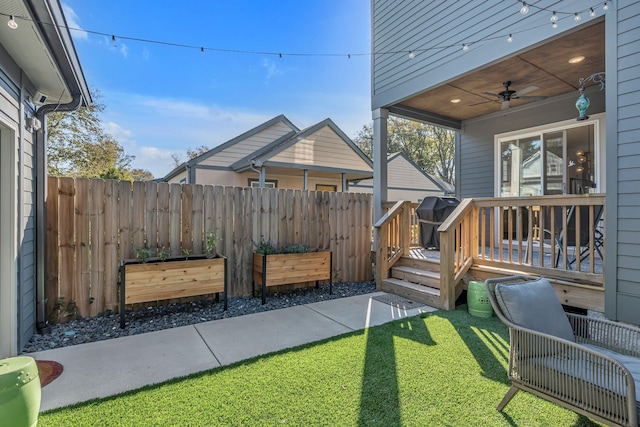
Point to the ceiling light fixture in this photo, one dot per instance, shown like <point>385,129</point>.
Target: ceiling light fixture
<point>455,100</point>
<point>576,59</point>
<point>12,23</point>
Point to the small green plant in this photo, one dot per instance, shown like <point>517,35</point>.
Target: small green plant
<point>265,247</point>
<point>66,309</point>
<point>186,253</point>
<point>296,248</point>
<point>163,254</point>
<point>211,243</point>
<point>143,254</point>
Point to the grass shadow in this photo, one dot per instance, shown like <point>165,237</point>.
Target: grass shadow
<point>380,399</point>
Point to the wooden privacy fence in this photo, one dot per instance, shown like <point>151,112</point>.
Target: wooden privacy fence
<point>93,224</point>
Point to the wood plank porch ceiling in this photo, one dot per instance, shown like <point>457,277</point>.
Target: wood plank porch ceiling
<point>545,66</point>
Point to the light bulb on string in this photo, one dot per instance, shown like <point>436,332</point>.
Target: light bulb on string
<point>554,25</point>
<point>592,13</point>
<point>113,41</point>
<point>509,39</point>
<point>554,17</point>
<point>12,23</point>
<point>577,17</point>
<point>412,55</point>
<point>605,6</point>
<point>465,47</point>
<point>524,9</point>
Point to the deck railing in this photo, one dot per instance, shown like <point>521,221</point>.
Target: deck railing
<point>557,236</point>
<point>561,237</point>
<point>392,236</point>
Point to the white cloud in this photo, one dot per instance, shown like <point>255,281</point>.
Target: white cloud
<point>72,22</point>
<point>271,67</point>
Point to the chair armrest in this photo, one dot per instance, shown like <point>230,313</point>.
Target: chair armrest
<point>572,373</point>
<point>605,333</point>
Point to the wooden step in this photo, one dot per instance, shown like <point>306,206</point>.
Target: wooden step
<point>429,264</point>
<point>424,294</point>
<point>416,275</point>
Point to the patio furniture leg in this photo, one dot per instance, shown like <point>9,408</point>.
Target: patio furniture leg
<point>507,397</point>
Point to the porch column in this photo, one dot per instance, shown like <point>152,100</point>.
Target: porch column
<point>306,179</point>
<point>379,161</point>
<point>344,182</point>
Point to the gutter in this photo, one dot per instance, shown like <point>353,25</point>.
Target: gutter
<point>41,198</point>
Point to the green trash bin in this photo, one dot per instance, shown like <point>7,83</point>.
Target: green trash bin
<point>19,392</point>
<point>478,301</point>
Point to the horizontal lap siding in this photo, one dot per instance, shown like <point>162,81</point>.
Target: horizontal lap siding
<point>26,272</point>
<point>243,148</point>
<point>628,174</point>
<point>477,147</point>
<point>436,31</point>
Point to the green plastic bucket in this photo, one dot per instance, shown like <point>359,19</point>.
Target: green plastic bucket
<point>478,301</point>
<point>19,392</point>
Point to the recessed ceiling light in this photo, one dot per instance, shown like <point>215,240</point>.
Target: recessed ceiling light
<point>576,59</point>
<point>455,100</point>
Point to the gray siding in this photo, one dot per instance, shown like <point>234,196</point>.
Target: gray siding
<point>476,159</point>
<point>623,192</point>
<point>26,268</point>
<point>436,31</point>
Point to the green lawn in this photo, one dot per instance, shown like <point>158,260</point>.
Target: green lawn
<point>444,368</point>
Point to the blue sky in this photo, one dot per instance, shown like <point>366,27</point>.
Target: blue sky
<point>162,100</point>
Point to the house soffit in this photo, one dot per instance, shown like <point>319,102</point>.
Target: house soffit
<point>545,66</point>
<point>28,49</point>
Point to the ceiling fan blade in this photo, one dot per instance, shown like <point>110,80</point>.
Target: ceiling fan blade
<point>483,102</point>
<point>534,98</point>
<point>505,105</point>
<point>525,90</point>
<point>491,94</point>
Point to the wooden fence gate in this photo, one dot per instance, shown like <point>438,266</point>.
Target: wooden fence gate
<point>93,224</point>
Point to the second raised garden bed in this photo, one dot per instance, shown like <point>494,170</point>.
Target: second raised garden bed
<point>282,269</point>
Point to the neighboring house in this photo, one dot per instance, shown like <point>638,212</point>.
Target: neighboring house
<point>446,65</point>
<point>406,181</point>
<point>278,154</point>
<point>39,73</point>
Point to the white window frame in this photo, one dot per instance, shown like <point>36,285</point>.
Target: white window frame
<point>597,120</point>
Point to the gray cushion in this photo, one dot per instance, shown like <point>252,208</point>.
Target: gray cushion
<point>534,305</point>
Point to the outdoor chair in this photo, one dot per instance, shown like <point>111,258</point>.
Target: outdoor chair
<point>590,366</point>
<point>579,251</point>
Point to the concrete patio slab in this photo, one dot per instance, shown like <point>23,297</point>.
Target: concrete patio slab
<point>363,311</point>
<point>240,338</point>
<point>104,368</point>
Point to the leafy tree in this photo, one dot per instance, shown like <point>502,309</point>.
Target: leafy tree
<point>430,147</point>
<point>78,146</point>
<point>191,154</point>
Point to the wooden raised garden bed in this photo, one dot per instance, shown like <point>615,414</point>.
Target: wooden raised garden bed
<point>172,278</point>
<point>282,269</point>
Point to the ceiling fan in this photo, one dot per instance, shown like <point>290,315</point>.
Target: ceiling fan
<point>508,94</point>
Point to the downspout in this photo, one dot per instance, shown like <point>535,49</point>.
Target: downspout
<point>258,171</point>
<point>41,194</point>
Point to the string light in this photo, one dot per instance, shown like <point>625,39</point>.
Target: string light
<point>465,46</point>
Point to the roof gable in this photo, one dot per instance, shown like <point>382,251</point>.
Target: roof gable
<point>321,145</point>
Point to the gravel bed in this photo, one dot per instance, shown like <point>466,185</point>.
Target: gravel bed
<point>150,319</point>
